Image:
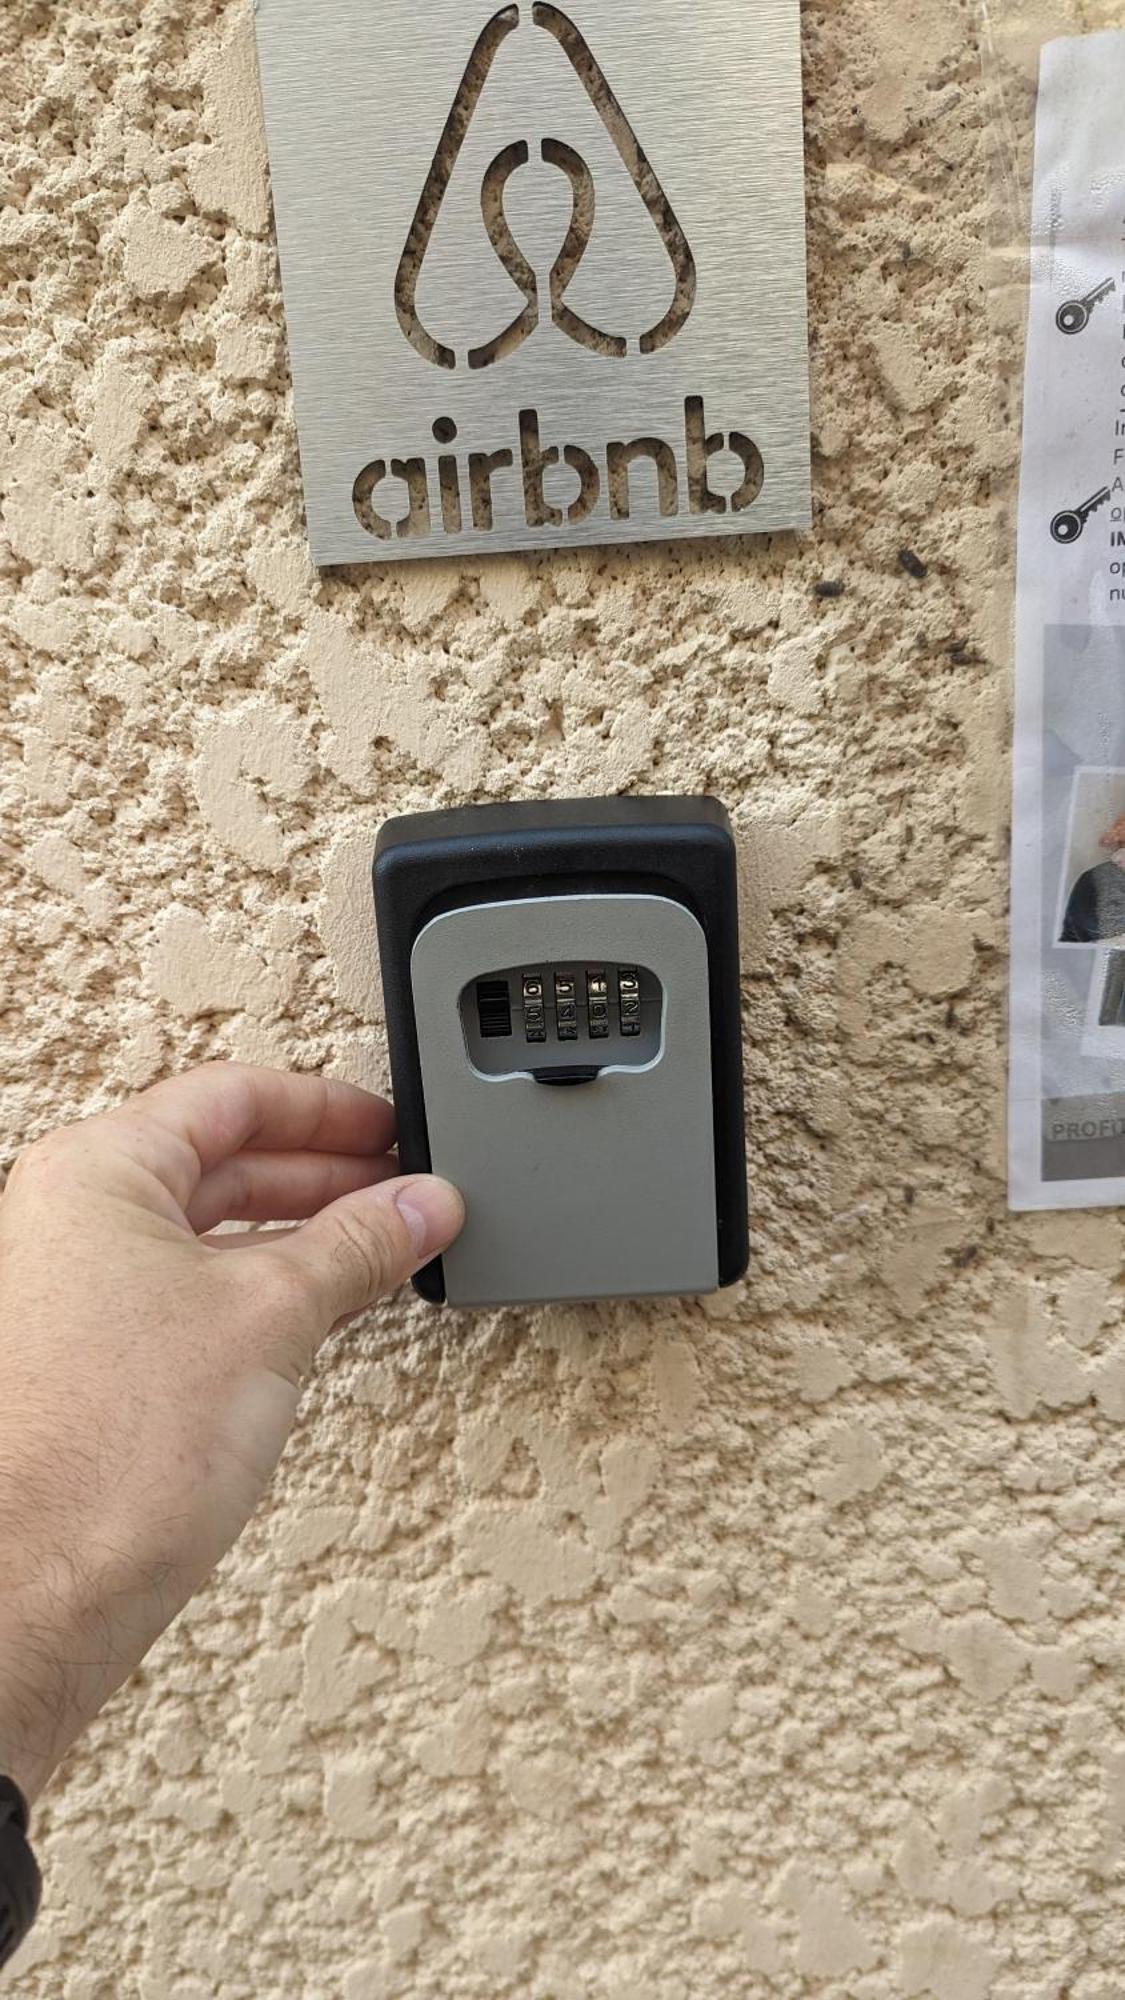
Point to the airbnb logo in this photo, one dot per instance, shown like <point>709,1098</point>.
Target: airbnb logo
<point>544,270</point>
<point>557,153</point>
<point>466,492</point>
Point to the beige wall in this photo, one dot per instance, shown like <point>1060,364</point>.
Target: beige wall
<point>765,1646</point>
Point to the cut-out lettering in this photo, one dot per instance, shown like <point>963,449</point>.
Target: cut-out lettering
<point>702,448</point>
<point>412,474</point>
<point>620,458</point>
<point>482,466</point>
<point>456,484</point>
<point>537,460</point>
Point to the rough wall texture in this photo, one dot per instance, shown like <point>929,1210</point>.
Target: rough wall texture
<point>768,1646</point>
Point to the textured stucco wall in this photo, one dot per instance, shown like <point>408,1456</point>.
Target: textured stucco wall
<point>766,1646</point>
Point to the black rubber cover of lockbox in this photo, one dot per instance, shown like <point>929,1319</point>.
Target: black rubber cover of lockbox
<point>678,847</point>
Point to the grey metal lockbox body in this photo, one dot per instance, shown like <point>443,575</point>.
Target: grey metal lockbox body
<point>562,995</point>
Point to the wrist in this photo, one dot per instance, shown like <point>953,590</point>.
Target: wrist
<point>17,1763</point>
<point>29,1768</point>
<point>30,1720</point>
<point>37,1692</point>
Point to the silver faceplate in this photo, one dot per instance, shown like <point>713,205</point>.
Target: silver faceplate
<point>571,239</point>
<point>604,1190</point>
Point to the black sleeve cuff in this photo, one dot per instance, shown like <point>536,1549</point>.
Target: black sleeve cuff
<point>21,1885</point>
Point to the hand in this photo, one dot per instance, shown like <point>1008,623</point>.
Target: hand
<point>150,1372</point>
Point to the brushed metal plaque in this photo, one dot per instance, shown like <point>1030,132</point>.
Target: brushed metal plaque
<point>544,269</point>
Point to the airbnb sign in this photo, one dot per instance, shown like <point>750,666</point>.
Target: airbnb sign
<point>543,269</point>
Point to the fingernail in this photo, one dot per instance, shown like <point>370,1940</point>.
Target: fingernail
<point>432,1211</point>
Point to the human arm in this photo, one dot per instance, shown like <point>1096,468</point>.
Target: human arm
<point>150,1371</point>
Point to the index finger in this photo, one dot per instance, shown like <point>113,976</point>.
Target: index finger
<point>197,1120</point>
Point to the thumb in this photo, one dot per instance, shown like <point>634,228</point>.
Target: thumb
<point>366,1245</point>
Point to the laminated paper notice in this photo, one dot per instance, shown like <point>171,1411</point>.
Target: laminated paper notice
<point>1068,891</point>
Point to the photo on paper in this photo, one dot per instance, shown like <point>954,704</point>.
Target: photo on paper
<point>1092,900</point>
<point>1104,1034</point>
<point>1064,984</point>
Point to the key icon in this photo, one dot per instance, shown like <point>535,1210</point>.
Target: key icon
<point>1067,526</point>
<point>1074,316</point>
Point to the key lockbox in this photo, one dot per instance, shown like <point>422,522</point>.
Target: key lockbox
<point>563,1007</point>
